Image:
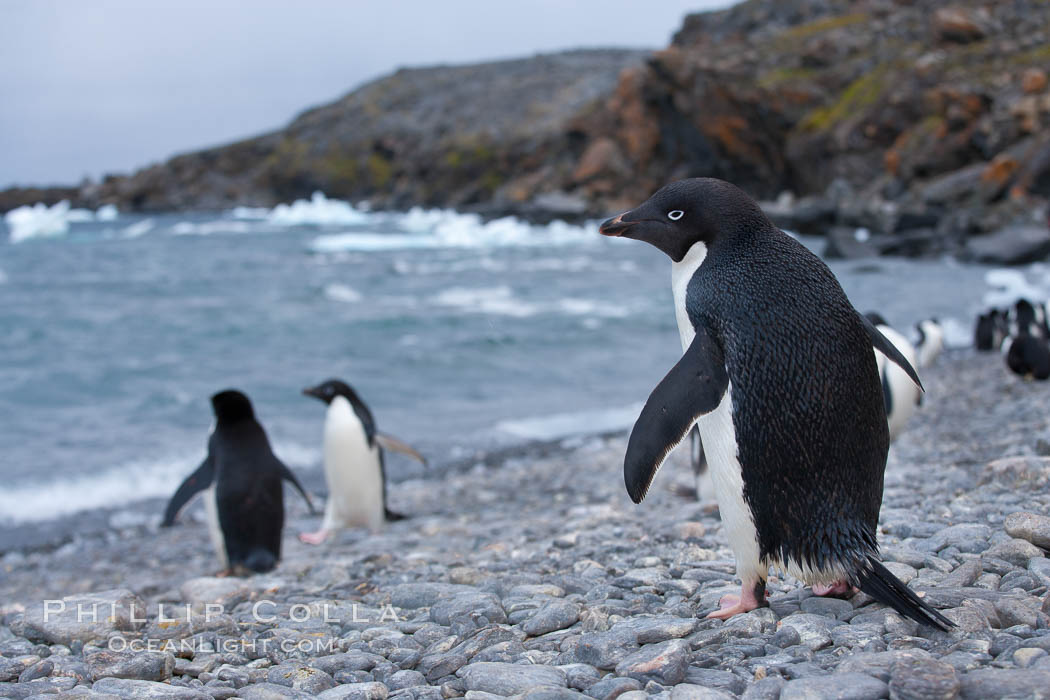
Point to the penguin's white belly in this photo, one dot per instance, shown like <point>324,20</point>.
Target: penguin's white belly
<point>904,395</point>
<point>352,469</point>
<point>723,459</point>
<point>218,540</point>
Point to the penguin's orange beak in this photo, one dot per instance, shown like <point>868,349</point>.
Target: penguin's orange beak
<point>614,226</point>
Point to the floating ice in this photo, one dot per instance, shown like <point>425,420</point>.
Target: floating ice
<point>207,228</point>
<point>444,228</point>
<point>107,212</point>
<point>500,301</point>
<point>42,221</point>
<point>139,228</point>
<point>318,211</point>
<point>561,425</point>
<point>340,292</point>
<point>38,221</point>
<point>1008,286</point>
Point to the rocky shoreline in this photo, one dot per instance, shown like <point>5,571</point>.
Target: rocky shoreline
<point>539,578</point>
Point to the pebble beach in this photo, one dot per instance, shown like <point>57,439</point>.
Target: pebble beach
<point>536,577</point>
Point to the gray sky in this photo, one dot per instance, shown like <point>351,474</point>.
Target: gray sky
<point>96,86</point>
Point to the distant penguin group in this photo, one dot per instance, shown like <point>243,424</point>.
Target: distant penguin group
<point>779,378</point>
<point>1021,333</point>
<point>242,479</point>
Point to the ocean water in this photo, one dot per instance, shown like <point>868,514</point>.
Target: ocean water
<point>463,336</point>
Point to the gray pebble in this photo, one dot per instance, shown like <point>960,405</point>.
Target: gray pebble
<point>142,690</point>
<point>509,679</point>
<point>686,691</point>
<point>1005,683</point>
<point>917,676</point>
<point>356,691</point>
<point>840,686</point>
<point>555,615</point>
<point>1032,527</point>
<point>665,663</point>
<point>611,688</point>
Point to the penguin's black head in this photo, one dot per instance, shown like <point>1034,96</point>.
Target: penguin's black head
<point>231,406</point>
<point>681,214</point>
<point>328,390</point>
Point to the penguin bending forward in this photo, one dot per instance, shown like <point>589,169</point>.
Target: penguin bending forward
<point>781,381</point>
<point>353,463</point>
<point>244,496</point>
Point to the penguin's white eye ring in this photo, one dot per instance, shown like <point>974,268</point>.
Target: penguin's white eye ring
<point>675,215</point>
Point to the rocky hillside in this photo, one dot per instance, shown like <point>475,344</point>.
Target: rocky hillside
<point>924,122</point>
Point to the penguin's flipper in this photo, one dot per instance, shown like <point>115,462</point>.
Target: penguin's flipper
<point>878,582</point>
<point>389,442</point>
<point>880,343</point>
<point>289,476</point>
<point>196,482</point>
<point>693,387</point>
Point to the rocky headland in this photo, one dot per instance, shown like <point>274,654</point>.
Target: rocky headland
<point>925,124</point>
<point>538,578</point>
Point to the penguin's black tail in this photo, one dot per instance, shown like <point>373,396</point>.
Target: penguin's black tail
<point>877,581</point>
<point>391,515</point>
<point>260,560</point>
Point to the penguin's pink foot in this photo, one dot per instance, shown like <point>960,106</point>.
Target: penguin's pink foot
<point>751,597</point>
<point>839,589</point>
<point>314,537</point>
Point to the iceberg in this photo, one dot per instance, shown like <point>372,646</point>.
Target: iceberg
<point>38,221</point>
<point>318,211</point>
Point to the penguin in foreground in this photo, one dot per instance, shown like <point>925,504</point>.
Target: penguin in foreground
<point>899,393</point>
<point>780,378</point>
<point>353,463</point>
<point>244,496</point>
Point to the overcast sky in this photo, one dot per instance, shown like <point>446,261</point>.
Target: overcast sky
<point>90,87</point>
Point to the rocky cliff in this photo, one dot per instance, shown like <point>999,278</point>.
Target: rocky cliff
<point>922,121</point>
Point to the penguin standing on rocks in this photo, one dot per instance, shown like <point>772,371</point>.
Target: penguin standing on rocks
<point>931,341</point>
<point>353,463</point>
<point>1027,348</point>
<point>780,378</point>
<point>242,480</point>
<point>899,393</point>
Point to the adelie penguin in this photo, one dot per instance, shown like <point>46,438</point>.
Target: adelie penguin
<point>353,463</point>
<point>900,394</point>
<point>1027,349</point>
<point>244,496</point>
<point>780,378</point>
